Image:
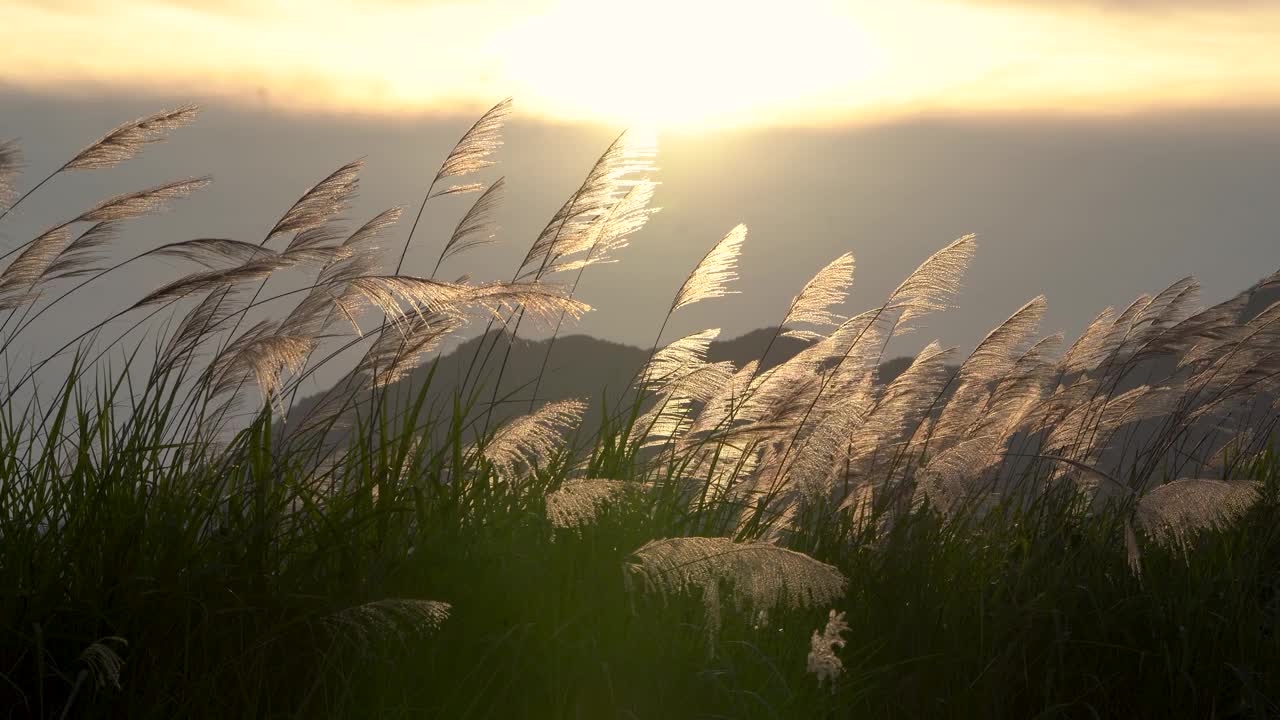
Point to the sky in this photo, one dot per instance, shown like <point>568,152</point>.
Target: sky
<point>1098,149</point>
<point>667,63</point>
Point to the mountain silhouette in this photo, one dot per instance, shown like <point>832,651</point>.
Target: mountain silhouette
<point>600,371</point>
<point>580,366</point>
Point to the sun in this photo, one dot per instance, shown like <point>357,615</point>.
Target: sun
<point>683,64</point>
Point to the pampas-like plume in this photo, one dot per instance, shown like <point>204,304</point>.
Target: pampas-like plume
<point>997,352</point>
<point>822,451</point>
<point>370,230</point>
<point>541,303</point>
<point>1122,328</point>
<point>261,353</point>
<point>141,202</point>
<point>103,662</point>
<point>401,296</point>
<point>726,403</point>
<point>930,287</point>
<point>354,257</point>
<point>702,381</point>
<point>714,272</point>
<point>258,268</point>
<point>1150,319</point>
<point>1171,512</point>
<point>662,422</point>
<point>390,618</point>
<point>17,282</point>
<point>10,162</point>
<point>822,660</point>
<point>1208,328</point>
<point>1132,554</point>
<point>476,226</point>
<point>612,231</point>
<point>678,356</point>
<point>1099,417</point>
<point>990,360</point>
<point>37,261</point>
<point>327,199</point>
<point>213,253</point>
<point>577,502</point>
<point>80,256</point>
<point>763,576</point>
<point>1030,376</point>
<point>902,403</point>
<point>1090,348</point>
<point>1172,305</point>
<point>529,438</point>
<point>569,229</point>
<point>196,325</point>
<point>394,355</point>
<point>126,141</point>
<point>953,477</point>
<point>208,280</point>
<point>828,288</point>
<point>333,294</point>
<point>473,149</point>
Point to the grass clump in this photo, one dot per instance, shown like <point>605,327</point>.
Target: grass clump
<point>1084,532</point>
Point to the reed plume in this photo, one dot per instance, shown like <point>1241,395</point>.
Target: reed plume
<point>10,164</point>
<point>475,229</point>
<point>578,501</point>
<point>393,356</point>
<point>212,253</point>
<point>529,439</point>
<point>127,140</point>
<point>678,356</point>
<point>472,151</point>
<point>18,280</point>
<point>823,660</point>
<point>387,619</point>
<point>569,230</point>
<point>711,276</point>
<point>141,202</point>
<point>812,306</point>
<point>932,285</point>
<point>1171,512</point>
<point>81,255</point>
<point>762,576</point>
<point>322,202</point>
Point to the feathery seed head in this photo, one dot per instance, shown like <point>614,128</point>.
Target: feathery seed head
<point>473,149</point>
<point>828,288</point>
<point>763,576</point>
<point>127,140</point>
<point>10,163</point>
<point>714,272</point>
<point>823,661</point>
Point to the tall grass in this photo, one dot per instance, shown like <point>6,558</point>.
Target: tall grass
<point>1080,533</point>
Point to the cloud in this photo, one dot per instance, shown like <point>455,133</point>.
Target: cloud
<point>1130,6</point>
<point>214,7</point>
<point>90,7</point>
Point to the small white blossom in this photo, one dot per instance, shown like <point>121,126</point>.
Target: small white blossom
<point>823,660</point>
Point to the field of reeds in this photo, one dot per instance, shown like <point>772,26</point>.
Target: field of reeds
<point>1034,529</point>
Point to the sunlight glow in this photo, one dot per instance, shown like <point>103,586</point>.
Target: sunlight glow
<point>674,63</point>
<point>668,64</point>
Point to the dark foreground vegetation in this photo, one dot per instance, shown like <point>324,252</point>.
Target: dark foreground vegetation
<point>1019,532</point>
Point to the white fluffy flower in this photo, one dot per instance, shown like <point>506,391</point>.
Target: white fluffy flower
<point>823,660</point>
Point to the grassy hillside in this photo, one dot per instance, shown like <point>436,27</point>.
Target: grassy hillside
<point>1034,529</point>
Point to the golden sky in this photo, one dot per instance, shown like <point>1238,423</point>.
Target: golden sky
<point>666,63</point>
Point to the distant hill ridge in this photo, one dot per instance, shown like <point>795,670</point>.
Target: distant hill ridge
<point>599,371</point>
<point>580,366</point>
